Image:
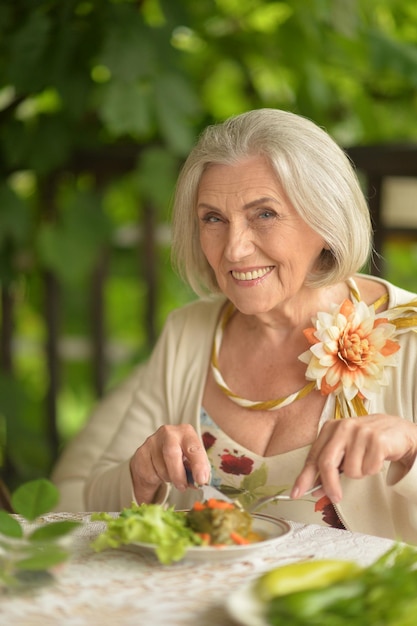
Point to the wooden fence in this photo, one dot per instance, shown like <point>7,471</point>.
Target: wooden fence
<point>103,167</point>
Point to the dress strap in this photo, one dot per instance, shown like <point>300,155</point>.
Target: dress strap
<point>354,291</point>
<point>355,294</point>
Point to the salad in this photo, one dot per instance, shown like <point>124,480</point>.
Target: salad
<point>220,523</point>
<point>211,523</point>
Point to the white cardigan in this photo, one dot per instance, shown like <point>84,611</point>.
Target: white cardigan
<point>170,388</point>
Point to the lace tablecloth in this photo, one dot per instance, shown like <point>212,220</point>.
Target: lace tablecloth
<point>118,587</point>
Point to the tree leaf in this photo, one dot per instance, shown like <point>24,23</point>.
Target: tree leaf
<point>16,143</point>
<point>176,103</point>
<point>25,70</point>
<point>53,530</point>
<point>15,218</point>
<point>35,498</point>
<point>128,50</point>
<point>51,141</point>
<point>71,247</point>
<point>267,18</point>
<point>156,176</point>
<point>9,526</point>
<point>224,90</point>
<point>126,109</point>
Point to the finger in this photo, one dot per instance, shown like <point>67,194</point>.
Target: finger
<point>172,458</point>
<point>330,464</point>
<point>330,480</point>
<point>323,465</point>
<point>153,456</point>
<point>145,477</point>
<point>308,476</point>
<point>183,444</point>
<point>305,480</point>
<point>387,439</point>
<point>366,448</point>
<point>363,455</point>
<point>196,461</point>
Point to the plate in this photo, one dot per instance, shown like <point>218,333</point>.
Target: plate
<point>273,529</point>
<point>245,607</point>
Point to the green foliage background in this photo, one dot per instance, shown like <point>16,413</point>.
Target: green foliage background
<point>100,101</point>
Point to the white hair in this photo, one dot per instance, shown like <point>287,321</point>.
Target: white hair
<point>315,173</point>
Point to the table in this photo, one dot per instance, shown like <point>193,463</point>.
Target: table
<point>123,588</point>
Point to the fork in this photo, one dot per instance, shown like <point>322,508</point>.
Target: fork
<point>279,496</point>
<point>209,491</point>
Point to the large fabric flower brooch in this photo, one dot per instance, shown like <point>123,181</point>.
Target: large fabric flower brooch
<point>350,349</point>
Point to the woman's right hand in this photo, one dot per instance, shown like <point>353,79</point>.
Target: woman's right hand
<point>160,459</point>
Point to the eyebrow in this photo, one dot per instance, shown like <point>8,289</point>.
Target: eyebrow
<point>249,205</point>
<point>262,200</point>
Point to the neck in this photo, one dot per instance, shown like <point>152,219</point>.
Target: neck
<point>293,315</point>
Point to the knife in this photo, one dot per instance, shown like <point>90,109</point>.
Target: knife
<point>206,491</point>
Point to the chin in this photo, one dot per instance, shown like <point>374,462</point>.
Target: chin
<point>251,307</point>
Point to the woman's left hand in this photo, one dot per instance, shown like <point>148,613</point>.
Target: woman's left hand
<point>358,446</point>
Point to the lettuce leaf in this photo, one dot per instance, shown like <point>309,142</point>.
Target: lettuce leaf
<point>166,529</point>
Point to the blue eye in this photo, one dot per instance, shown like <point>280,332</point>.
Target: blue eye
<point>210,219</point>
<point>267,213</point>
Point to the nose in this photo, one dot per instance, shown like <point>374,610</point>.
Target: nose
<point>239,243</point>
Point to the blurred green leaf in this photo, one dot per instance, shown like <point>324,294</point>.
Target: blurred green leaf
<point>71,247</point>
<point>53,530</point>
<point>25,69</point>
<point>25,442</point>
<point>39,549</point>
<point>266,18</point>
<point>42,558</point>
<point>396,56</point>
<point>128,50</point>
<point>14,216</point>
<point>224,89</point>
<point>35,498</point>
<point>126,108</point>
<point>15,143</point>
<point>50,141</point>
<point>176,103</point>
<point>155,177</point>
<point>9,526</point>
<point>13,399</point>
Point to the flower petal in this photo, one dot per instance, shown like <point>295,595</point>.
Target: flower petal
<point>350,349</point>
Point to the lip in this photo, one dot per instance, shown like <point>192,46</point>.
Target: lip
<point>251,275</point>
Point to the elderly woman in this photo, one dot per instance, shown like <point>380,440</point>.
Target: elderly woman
<point>291,367</point>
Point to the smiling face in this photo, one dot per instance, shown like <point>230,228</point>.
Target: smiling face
<point>256,243</point>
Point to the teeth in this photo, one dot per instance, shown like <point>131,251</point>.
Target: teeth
<point>251,275</point>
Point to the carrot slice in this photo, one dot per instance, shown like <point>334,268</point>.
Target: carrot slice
<point>212,503</point>
<point>199,506</point>
<point>238,539</point>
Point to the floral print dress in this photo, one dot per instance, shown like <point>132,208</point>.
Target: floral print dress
<point>243,473</point>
